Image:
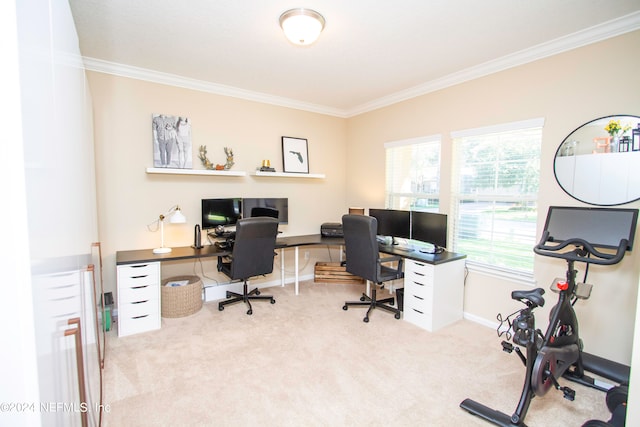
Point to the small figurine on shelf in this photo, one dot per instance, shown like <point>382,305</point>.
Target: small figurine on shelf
<point>229,153</point>
<point>266,166</point>
<point>203,157</point>
<point>207,163</point>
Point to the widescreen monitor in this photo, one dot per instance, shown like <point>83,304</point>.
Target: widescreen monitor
<point>392,222</point>
<point>223,212</point>
<point>275,207</point>
<point>429,227</point>
<point>601,227</point>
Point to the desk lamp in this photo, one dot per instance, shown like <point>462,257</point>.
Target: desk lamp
<point>175,216</point>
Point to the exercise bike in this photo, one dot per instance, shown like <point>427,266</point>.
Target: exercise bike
<point>557,352</point>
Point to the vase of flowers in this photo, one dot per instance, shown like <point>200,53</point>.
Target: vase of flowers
<point>614,128</point>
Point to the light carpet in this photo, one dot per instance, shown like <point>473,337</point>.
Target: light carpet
<point>306,362</point>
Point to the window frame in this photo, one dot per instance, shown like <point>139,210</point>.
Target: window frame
<point>457,197</point>
<point>391,196</point>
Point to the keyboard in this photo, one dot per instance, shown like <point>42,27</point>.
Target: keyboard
<point>225,245</point>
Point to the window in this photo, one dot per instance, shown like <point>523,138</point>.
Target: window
<point>413,174</point>
<point>494,202</point>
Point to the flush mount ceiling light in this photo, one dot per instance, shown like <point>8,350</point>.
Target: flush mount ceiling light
<point>302,26</point>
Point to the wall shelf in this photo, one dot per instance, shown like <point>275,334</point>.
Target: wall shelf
<point>288,175</point>
<point>169,171</point>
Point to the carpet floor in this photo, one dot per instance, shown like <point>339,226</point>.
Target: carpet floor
<point>306,362</point>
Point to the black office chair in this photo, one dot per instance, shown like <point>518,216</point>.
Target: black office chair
<point>252,255</point>
<point>363,259</point>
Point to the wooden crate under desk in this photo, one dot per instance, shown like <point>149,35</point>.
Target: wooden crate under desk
<point>333,272</point>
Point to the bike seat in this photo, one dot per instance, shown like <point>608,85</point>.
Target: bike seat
<point>534,296</point>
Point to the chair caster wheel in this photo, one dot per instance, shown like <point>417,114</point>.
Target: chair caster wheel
<point>257,292</point>
<point>362,298</point>
<point>365,320</point>
<point>344,307</point>
<point>273,301</point>
<point>397,316</point>
<point>249,312</point>
<point>220,307</point>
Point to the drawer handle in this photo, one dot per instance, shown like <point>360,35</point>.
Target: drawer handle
<point>418,274</point>
<point>419,284</point>
<point>417,297</point>
<point>417,311</point>
<point>139,277</point>
<point>140,302</point>
<point>140,287</point>
<point>140,317</point>
<point>64,298</point>
<point>139,266</point>
<point>419,263</point>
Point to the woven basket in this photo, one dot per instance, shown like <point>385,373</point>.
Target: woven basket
<point>181,301</point>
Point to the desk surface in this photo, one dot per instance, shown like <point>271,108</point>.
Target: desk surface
<point>187,252</point>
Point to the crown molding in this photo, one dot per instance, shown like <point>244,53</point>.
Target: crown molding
<point>572,41</point>
<point>575,40</point>
<point>123,70</point>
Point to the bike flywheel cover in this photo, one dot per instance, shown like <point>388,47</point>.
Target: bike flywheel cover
<point>544,368</point>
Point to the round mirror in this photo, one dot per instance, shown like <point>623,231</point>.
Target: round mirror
<point>599,162</point>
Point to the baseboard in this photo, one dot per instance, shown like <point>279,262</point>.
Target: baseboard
<point>480,320</point>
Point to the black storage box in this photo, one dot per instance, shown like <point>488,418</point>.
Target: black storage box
<point>331,229</point>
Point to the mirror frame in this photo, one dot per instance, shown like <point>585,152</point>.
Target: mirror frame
<point>570,157</point>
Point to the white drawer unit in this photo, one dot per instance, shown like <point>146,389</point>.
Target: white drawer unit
<point>433,293</point>
<point>138,298</point>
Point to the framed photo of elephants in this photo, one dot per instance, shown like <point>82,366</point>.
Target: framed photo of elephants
<point>171,141</point>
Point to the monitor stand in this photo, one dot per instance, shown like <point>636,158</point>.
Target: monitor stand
<point>434,249</point>
<point>405,247</point>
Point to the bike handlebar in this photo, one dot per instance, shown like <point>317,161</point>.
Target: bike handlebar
<point>602,258</point>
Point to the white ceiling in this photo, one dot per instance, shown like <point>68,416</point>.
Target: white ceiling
<point>371,53</point>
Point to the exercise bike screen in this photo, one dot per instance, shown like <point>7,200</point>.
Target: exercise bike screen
<point>602,227</point>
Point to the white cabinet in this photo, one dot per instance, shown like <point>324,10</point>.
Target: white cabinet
<point>138,298</point>
<point>68,353</point>
<point>605,178</point>
<point>433,293</point>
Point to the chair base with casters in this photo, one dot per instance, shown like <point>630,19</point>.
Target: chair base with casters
<point>246,297</point>
<point>372,302</point>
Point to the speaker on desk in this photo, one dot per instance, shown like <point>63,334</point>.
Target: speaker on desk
<point>197,236</point>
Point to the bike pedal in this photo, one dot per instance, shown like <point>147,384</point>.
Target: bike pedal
<point>568,393</point>
<point>507,347</point>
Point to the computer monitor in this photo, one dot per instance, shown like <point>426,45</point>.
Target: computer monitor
<point>429,227</point>
<point>601,227</point>
<point>392,222</point>
<point>223,212</point>
<point>275,207</point>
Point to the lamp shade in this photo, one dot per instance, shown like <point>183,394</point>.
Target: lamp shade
<point>177,217</point>
<point>302,26</point>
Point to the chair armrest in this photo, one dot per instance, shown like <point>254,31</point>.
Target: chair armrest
<point>393,258</point>
<point>390,259</point>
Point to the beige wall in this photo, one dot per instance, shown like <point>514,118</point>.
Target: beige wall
<point>129,198</point>
<point>567,90</point>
